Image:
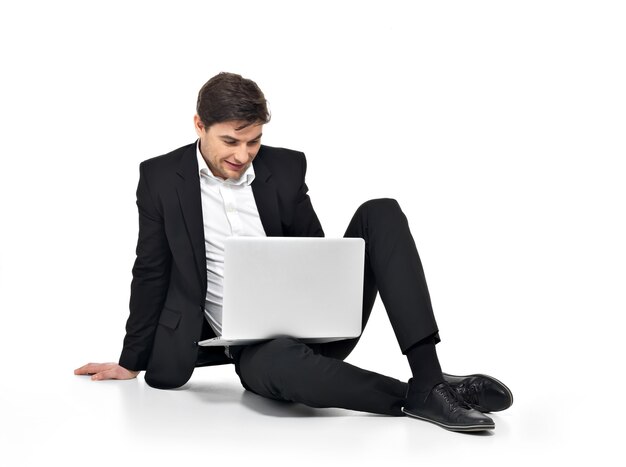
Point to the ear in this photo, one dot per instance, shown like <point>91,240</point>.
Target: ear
<point>198,125</point>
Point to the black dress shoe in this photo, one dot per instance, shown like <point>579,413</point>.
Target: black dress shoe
<point>481,392</point>
<point>444,407</point>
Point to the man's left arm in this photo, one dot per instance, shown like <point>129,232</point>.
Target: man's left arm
<point>305,220</point>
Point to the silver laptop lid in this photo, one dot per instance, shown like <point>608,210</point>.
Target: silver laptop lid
<point>292,286</point>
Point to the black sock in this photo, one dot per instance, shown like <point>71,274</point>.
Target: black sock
<point>424,364</point>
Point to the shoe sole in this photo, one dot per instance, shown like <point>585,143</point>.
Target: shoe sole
<point>460,428</point>
<point>478,407</point>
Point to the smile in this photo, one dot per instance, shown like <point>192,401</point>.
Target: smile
<point>235,166</point>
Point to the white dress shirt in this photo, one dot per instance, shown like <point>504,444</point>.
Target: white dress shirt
<point>228,209</point>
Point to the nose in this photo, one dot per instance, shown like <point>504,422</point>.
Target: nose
<point>241,155</point>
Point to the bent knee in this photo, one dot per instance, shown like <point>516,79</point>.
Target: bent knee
<point>380,204</point>
<point>380,207</point>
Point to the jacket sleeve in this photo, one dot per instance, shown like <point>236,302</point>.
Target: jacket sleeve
<point>151,273</point>
<point>306,222</point>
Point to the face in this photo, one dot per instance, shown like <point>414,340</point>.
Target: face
<point>228,151</point>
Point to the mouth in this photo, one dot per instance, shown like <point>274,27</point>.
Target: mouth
<point>233,166</point>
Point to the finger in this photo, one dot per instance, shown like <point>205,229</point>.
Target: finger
<point>83,370</point>
<point>92,368</point>
<point>105,374</point>
<point>86,369</point>
<point>116,372</point>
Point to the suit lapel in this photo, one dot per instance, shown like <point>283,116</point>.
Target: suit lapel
<point>189,196</point>
<point>266,198</point>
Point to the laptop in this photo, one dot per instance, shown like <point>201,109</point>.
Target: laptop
<point>302,287</point>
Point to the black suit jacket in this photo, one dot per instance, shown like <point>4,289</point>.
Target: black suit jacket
<point>169,275</point>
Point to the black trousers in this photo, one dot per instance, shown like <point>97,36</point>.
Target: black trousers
<point>315,374</point>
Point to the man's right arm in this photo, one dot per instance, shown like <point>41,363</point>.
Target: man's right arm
<point>148,290</point>
<point>151,275</point>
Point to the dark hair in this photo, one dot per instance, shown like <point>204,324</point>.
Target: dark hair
<point>227,97</point>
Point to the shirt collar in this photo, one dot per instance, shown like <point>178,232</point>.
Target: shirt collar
<point>246,178</point>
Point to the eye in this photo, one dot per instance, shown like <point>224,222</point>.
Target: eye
<point>254,142</point>
<point>230,143</point>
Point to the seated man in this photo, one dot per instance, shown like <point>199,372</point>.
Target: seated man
<point>227,183</point>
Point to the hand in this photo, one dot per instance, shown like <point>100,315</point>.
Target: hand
<point>102,371</point>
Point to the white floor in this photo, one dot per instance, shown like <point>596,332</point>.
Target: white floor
<point>48,414</point>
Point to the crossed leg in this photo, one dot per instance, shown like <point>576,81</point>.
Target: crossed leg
<point>315,374</point>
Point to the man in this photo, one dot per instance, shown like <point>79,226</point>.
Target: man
<point>227,183</point>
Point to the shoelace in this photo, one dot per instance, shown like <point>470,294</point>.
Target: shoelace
<point>452,397</point>
<point>469,392</point>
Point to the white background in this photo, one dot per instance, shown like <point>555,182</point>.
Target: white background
<point>497,125</point>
